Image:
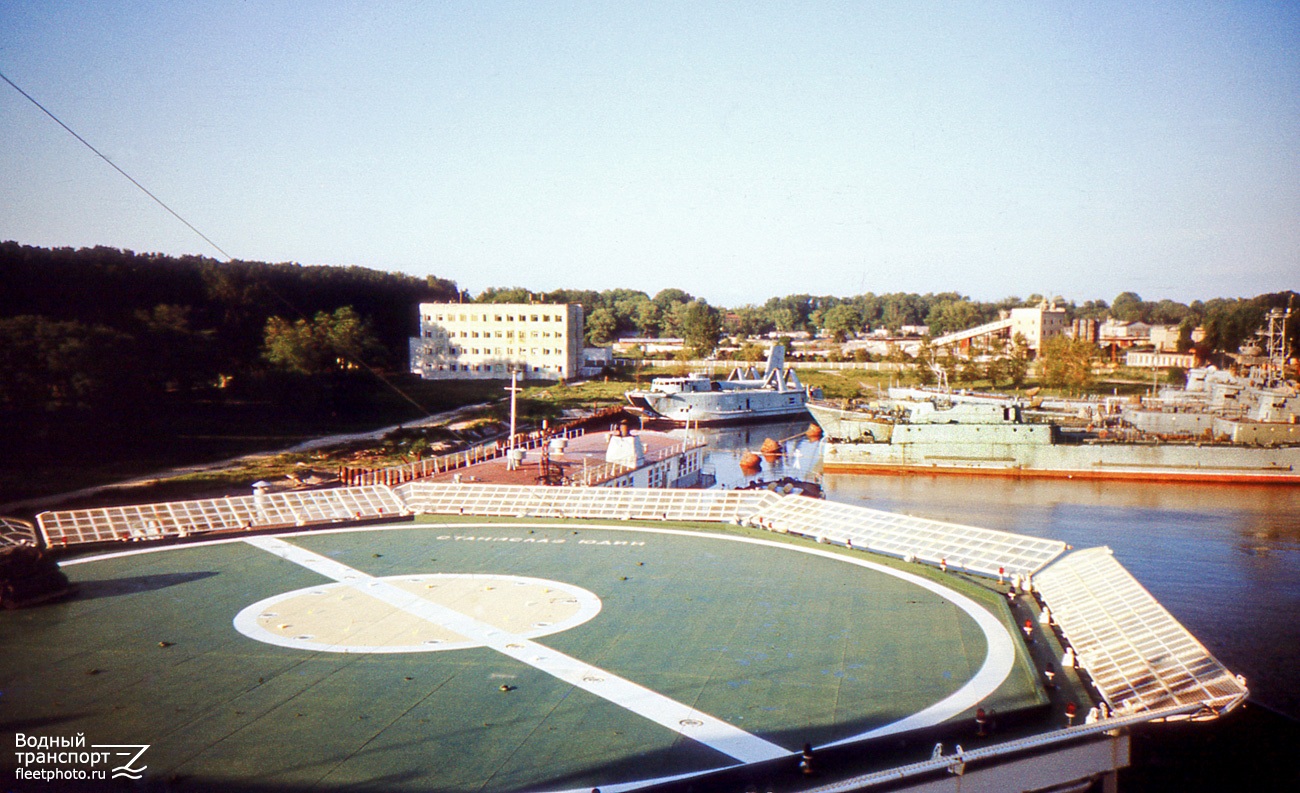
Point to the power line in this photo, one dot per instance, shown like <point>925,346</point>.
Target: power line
<point>115,167</point>
<point>374,372</point>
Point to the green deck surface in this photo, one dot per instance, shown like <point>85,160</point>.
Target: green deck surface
<point>784,645</point>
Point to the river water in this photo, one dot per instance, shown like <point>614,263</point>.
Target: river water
<point>1223,559</point>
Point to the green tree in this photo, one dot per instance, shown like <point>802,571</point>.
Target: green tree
<point>1128,307</point>
<point>647,319</point>
<point>46,364</point>
<point>601,326</point>
<point>783,319</point>
<point>327,343</point>
<point>750,352</point>
<point>1230,323</point>
<point>995,369</point>
<point>1066,362</point>
<point>1185,329</point>
<point>667,299</point>
<point>178,355</point>
<point>701,325</point>
<point>841,321</point>
<point>948,316</point>
<point>922,364</point>
<point>749,321</point>
<point>970,370</point>
<point>509,294</point>
<point>1017,363</point>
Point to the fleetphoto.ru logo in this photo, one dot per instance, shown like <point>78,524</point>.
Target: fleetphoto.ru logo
<point>57,758</point>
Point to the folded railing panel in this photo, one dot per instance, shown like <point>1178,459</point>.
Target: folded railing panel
<point>184,518</point>
<point>984,551</point>
<point>1139,656</point>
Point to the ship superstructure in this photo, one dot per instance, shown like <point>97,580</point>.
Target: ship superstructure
<point>746,395</point>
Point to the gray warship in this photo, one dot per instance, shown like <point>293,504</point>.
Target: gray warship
<point>746,395</point>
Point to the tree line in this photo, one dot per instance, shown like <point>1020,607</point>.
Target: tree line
<point>618,313</point>
<point>101,326</point>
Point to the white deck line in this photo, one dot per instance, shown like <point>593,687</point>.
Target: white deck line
<point>666,712</point>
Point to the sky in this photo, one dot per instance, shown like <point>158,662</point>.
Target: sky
<point>738,151</point>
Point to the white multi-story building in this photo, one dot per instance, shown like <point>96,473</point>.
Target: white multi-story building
<point>488,340</point>
<point>1038,323</point>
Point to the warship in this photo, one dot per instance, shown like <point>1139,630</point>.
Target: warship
<point>977,438</point>
<point>746,395</point>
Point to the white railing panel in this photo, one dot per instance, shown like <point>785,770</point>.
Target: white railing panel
<point>1138,655</point>
<point>581,502</point>
<point>970,548</point>
<point>183,518</point>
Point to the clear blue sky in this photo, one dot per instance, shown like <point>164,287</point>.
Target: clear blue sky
<point>737,151</point>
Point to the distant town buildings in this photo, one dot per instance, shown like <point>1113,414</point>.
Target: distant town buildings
<point>1165,337</point>
<point>489,340</point>
<point>1123,334</point>
<point>1156,345</point>
<point>1150,359</point>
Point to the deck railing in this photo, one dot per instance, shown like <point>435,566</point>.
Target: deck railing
<point>420,469</point>
<point>16,532</point>
<point>185,518</point>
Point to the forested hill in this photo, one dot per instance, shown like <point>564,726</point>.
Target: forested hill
<point>99,326</point>
<point>111,287</point>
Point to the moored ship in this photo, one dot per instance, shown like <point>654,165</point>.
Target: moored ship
<point>997,440</point>
<point>745,395</point>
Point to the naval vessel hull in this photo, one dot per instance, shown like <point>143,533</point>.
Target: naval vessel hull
<point>859,443</point>
<point>1132,461</point>
<point>720,407</point>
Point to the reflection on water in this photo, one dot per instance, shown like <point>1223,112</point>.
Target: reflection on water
<point>1225,560</point>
